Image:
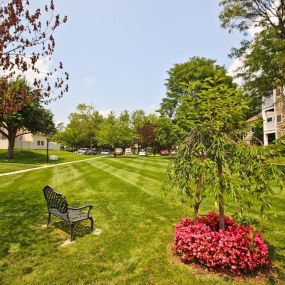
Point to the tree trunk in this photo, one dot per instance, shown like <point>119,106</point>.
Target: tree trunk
<point>197,198</point>
<point>11,142</point>
<point>221,198</point>
<point>221,212</point>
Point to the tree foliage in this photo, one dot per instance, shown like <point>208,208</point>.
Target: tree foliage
<point>27,35</point>
<point>246,14</point>
<point>195,69</point>
<point>147,135</point>
<point>116,132</point>
<point>167,133</point>
<point>214,159</point>
<point>32,118</point>
<point>82,129</point>
<point>263,55</point>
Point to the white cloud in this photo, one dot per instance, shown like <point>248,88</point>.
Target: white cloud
<point>43,65</point>
<point>152,108</point>
<point>105,113</point>
<point>89,80</point>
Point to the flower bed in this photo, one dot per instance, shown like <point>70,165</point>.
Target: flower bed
<point>237,249</point>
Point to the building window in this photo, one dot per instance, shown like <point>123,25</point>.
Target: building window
<point>38,143</point>
<point>279,117</point>
<point>270,119</point>
<point>42,143</point>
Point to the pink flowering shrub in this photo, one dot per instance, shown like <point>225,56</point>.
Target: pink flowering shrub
<point>237,249</point>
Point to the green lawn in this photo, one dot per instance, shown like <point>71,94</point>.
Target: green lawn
<point>10,167</point>
<point>24,159</point>
<point>136,217</point>
<point>39,156</point>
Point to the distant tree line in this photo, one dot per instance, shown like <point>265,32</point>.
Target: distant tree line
<point>88,128</point>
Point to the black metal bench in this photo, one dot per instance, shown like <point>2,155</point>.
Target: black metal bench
<point>57,206</point>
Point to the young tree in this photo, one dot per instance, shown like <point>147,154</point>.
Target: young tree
<point>27,35</point>
<point>32,118</point>
<point>262,55</point>
<point>214,157</point>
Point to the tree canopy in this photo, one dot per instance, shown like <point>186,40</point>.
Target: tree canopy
<point>196,68</point>
<point>116,132</point>
<point>27,35</point>
<point>263,55</point>
<point>32,118</point>
<point>214,158</point>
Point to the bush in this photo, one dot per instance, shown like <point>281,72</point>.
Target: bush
<point>237,249</point>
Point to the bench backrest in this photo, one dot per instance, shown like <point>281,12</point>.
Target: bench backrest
<point>55,200</point>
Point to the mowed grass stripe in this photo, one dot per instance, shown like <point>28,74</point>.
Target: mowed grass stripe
<point>9,167</point>
<point>140,179</point>
<point>139,164</point>
<point>138,167</point>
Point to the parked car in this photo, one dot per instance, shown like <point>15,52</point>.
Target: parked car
<point>142,153</point>
<point>105,152</point>
<point>128,151</point>
<point>92,151</point>
<point>164,152</point>
<point>119,151</point>
<point>82,150</point>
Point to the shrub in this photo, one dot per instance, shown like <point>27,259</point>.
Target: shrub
<point>237,249</point>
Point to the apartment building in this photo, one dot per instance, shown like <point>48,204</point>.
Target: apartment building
<point>273,114</point>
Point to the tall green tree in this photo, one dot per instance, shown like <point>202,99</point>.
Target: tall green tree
<point>71,137</point>
<point>168,134</point>
<point>196,68</point>
<point>82,128</point>
<point>116,132</point>
<point>31,118</point>
<point>263,55</point>
<point>87,120</point>
<point>138,119</point>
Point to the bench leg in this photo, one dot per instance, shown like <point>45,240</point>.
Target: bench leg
<point>49,215</point>
<point>92,222</point>
<point>71,231</point>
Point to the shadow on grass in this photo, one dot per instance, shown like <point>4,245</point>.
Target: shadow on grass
<point>25,157</point>
<point>80,229</point>
<point>275,256</point>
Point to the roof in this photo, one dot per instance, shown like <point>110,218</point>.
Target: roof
<point>253,119</point>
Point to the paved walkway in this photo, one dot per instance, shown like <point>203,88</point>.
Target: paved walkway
<point>45,166</point>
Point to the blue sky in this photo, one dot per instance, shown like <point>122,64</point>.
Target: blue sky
<point>118,52</point>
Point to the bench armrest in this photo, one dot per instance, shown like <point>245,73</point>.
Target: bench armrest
<point>81,208</point>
